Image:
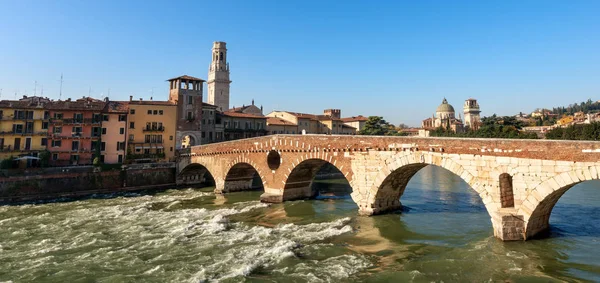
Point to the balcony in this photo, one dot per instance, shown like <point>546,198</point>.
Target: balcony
<point>8,148</point>
<point>23,133</point>
<point>76,121</point>
<point>154,129</point>
<point>146,156</point>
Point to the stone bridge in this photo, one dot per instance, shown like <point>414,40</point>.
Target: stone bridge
<point>519,181</point>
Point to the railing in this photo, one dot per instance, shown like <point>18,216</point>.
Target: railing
<point>146,156</point>
<point>25,133</point>
<point>150,141</point>
<point>9,148</point>
<point>154,129</point>
<point>76,121</point>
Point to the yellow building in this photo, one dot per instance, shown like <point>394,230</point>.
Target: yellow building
<point>23,128</point>
<point>151,131</point>
<point>565,120</point>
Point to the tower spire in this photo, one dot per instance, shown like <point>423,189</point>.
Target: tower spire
<point>218,77</point>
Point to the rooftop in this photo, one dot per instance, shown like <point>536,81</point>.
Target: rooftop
<point>117,107</point>
<point>279,121</point>
<point>242,115</point>
<point>186,77</point>
<point>355,118</point>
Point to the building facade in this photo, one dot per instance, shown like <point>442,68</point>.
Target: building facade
<point>151,131</point>
<point>218,77</point>
<point>75,131</point>
<point>23,128</point>
<point>186,92</point>
<point>472,114</point>
<point>113,140</point>
<point>329,123</point>
<point>357,122</point>
<point>444,117</point>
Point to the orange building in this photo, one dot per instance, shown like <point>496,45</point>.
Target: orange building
<point>114,132</point>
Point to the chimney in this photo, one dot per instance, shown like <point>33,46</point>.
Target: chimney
<point>150,98</point>
<point>141,99</point>
<point>131,98</point>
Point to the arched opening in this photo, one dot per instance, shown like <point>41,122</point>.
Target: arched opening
<point>570,220</point>
<point>197,175</point>
<point>242,177</point>
<point>435,202</point>
<point>316,178</point>
<point>571,215</point>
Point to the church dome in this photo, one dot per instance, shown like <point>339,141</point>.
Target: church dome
<point>445,107</point>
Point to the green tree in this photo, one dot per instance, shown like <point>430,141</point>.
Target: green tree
<point>375,126</point>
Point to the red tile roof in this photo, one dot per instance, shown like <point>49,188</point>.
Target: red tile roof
<point>86,103</point>
<point>186,77</point>
<point>242,115</point>
<point>279,121</point>
<point>152,102</point>
<point>116,107</point>
<point>355,119</point>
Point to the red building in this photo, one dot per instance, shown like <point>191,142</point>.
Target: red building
<point>75,131</point>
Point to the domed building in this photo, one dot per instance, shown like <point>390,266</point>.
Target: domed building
<point>445,117</point>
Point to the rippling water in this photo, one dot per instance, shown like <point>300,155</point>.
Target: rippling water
<point>442,234</point>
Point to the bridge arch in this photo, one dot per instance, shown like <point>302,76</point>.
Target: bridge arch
<point>385,193</point>
<point>539,203</point>
<point>299,182</point>
<point>195,173</point>
<point>242,175</point>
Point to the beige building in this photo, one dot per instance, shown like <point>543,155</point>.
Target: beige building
<point>445,117</point>
<point>151,131</point>
<point>357,122</point>
<point>186,92</point>
<point>328,123</point>
<point>280,126</point>
<point>114,132</point>
<point>241,125</point>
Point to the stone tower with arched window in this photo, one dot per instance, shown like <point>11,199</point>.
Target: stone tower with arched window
<point>218,77</point>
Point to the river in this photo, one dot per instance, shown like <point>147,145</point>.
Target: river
<point>443,234</point>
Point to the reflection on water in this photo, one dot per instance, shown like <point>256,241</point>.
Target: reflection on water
<point>443,233</point>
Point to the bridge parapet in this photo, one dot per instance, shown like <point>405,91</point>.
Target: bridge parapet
<point>519,181</point>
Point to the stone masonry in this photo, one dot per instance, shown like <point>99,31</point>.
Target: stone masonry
<point>519,181</point>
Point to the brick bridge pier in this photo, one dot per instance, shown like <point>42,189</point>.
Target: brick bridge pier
<point>519,181</point>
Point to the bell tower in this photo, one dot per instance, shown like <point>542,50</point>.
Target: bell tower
<point>218,77</point>
<point>471,111</point>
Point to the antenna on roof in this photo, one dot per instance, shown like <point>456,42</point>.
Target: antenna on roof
<point>90,92</point>
<point>60,91</point>
<point>34,88</point>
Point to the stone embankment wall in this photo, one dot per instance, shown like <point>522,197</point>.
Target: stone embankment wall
<point>72,184</point>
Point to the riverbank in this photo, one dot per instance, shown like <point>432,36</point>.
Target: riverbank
<point>78,182</point>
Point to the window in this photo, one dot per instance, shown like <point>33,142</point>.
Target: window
<point>149,112</point>
<point>155,112</point>
<point>122,131</point>
<point>75,145</point>
<point>203,134</point>
<point>78,117</point>
<point>132,111</point>
<point>46,115</point>
<point>55,156</point>
<point>120,157</point>
<point>190,99</point>
<point>105,117</point>
<point>18,129</point>
<point>170,138</point>
<point>96,131</point>
<point>77,130</point>
<point>160,112</point>
<point>102,146</point>
<point>102,158</point>
<point>132,125</point>
<point>203,121</point>
<point>122,118</point>
<point>120,146</point>
<point>131,138</point>
<point>56,143</point>
<point>44,141</point>
<point>104,131</point>
<point>44,125</point>
<point>189,115</point>
<point>171,148</point>
<point>58,116</point>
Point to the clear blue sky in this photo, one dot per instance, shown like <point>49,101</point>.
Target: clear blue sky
<point>396,59</point>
